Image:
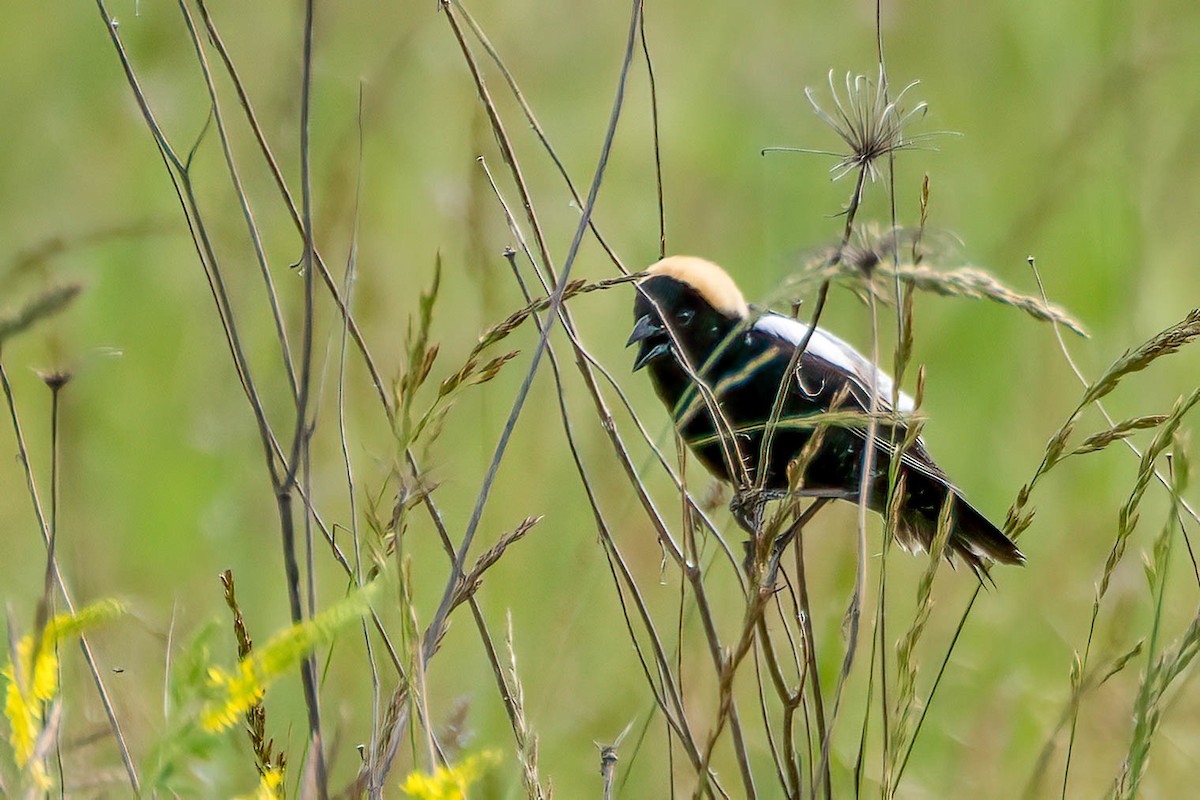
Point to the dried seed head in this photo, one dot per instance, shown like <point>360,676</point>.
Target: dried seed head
<point>868,121</point>
<point>55,378</point>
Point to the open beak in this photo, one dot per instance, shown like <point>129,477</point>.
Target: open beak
<point>644,331</point>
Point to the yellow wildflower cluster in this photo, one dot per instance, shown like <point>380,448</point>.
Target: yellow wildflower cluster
<point>31,682</point>
<point>451,782</point>
<point>270,786</point>
<point>237,691</point>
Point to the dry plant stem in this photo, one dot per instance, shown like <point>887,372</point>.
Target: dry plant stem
<point>243,201</point>
<point>789,700</point>
<point>614,556</point>
<point>494,118</point>
<point>675,715</point>
<point>52,566</point>
<point>179,173</point>
<point>733,459</point>
<point>56,383</point>
<point>671,692</point>
<point>269,158</point>
<point>300,436</point>
<point>901,331</point>
<point>347,317</point>
<point>725,668</point>
<point>854,611</point>
<point>527,202</point>
<point>608,772</point>
<point>180,179</point>
<point>821,775</point>
<point>879,642</point>
<point>45,605</point>
<point>510,159</point>
<point>962,621</point>
<point>372,756</point>
<point>1133,448</point>
<point>506,692</point>
<point>658,179</point>
<point>756,601</point>
<point>556,303</point>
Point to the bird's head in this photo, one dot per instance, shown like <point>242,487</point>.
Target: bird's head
<point>692,298</point>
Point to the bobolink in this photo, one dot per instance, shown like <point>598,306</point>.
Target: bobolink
<point>741,356</point>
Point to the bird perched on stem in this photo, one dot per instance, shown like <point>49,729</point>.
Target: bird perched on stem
<point>747,400</point>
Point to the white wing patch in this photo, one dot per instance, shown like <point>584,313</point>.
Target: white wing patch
<point>830,348</point>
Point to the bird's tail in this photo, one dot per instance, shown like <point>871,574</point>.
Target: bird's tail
<point>973,538</point>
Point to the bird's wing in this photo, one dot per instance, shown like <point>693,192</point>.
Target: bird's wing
<point>828,363</point>
<point>839,355</point>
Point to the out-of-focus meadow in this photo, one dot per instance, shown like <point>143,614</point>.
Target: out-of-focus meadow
<point>1074,141</point>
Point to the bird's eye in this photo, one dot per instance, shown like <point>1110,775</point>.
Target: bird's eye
<point>685,316</point>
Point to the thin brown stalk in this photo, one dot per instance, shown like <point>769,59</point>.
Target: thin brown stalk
<point>658,173</point>
<point>1133,448</point>
<point>52,566</point>
<point>295,212</point>
<point>615,560</point>
<point>821,776</point>
<point>540,349</point>
<point>505,146</point>
<point>243,200</point>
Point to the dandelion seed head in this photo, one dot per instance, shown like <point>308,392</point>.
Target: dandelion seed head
<point>869,121</point>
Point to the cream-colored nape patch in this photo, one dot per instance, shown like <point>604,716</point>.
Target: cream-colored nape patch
<point>708,279</point>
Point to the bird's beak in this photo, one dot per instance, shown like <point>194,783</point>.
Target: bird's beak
<point>644,331</point>
<point>648,354</point>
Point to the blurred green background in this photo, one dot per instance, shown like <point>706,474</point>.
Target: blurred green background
<point>1078,146</point>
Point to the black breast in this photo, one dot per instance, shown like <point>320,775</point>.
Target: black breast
<point>746,376</point>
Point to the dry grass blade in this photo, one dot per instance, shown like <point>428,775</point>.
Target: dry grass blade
<point>977,284</point>
<point>1164,343</point>
<point>906,662</point>
<point>668,696</point>
<point>574,288</point>
<point>1161,671</point>
<point>46,304</point>
<point>874,257</point>
<point>1122,430</point>
<point>556,303</point>
<point>1126,523</point>
<point>1161,344</point>
<point>471,581</point>
<point>527,742</point>
<point>256,715</point>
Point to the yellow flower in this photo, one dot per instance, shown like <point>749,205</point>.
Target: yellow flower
<point>452,782</point>
<point>270,786</point>
<point>238,691</point>
<point>29,689</point>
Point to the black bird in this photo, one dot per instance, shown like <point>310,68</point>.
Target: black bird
<point>691,319</point>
